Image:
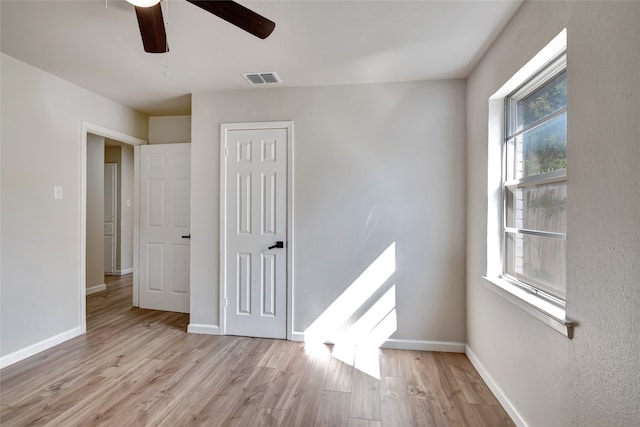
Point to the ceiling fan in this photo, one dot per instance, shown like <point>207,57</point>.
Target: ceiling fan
<point>154,36</point>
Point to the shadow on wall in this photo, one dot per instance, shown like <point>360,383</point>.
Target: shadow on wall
<point>362,318</point>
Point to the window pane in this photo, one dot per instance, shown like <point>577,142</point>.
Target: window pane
<point>543,102</point>
<point>540,208</point>
<point>539,150</point>
<point>539,261</point>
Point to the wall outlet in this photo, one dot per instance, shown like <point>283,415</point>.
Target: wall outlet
<point>128,203</point>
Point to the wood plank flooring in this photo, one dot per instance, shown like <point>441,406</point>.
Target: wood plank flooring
<point>138,367</point>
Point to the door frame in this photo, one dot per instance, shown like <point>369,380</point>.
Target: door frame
<point>224,129</point>
<point>86,128</point>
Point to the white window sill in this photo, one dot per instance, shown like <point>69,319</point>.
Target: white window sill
<point>543,310</point>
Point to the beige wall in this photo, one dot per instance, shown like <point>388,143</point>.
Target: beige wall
<point>126,212</point>
<point>593,379</point>
<point>169,129</point>
<point>95,211</point>
<point>41,147</point>
<point>374,164</point>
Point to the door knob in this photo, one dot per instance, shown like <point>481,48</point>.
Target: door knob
<point>278,244</point>
<point>188,236</point>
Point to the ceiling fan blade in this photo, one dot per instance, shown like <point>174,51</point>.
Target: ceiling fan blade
<point>151,23</point>
<point>239,16</point>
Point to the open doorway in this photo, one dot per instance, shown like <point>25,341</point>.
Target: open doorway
<point>110,218</point>
<point>118,208</point>
<point>115,219</point>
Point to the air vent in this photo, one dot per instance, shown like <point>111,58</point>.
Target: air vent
<point>262,78</point>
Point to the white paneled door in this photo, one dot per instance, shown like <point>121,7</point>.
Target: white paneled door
<point>165,199</point>
<point>110,216</point>
<point>255,255</point>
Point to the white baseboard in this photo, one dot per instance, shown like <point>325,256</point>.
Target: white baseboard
<point>120,272</point>
<point>443,346</point>
<point>297,336</point>
<point>399,344</point>
<point>195,328</point>
<point>495,389</point>
<point>46,344</point>
<point>96,288</point>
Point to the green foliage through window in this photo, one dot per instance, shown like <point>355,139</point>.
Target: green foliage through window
<point>545,101</point>
<point>544,144</point>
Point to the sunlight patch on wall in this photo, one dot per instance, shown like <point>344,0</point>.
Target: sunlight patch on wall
<point>357,343</point>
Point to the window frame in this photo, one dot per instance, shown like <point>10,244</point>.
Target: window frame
<point>549,312</point>
<point>544,75</point>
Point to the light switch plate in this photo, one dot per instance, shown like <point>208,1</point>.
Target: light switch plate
<point>57,192</point>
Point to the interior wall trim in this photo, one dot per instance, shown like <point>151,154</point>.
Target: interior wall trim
<point>199,328</point>
<point>424,345</point>
<point>495,389</point>
<point>43,345</point>
<point>96,289</point>
<point>404,344</point>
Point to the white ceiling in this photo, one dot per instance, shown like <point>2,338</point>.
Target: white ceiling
<point>314,43</point>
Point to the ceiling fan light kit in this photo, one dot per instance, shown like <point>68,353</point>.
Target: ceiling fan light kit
<point>143,3</point>
<point>154,36</point>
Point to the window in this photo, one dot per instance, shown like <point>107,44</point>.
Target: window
<point>527,188</point>
<point>534,184</point>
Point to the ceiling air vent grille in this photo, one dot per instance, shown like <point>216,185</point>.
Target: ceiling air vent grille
<point>262,78</point>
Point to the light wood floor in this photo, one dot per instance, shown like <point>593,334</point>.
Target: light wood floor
<point>138,367</point>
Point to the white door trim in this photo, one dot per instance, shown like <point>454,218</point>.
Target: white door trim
<point>224,129</point>
<point>87,127</point>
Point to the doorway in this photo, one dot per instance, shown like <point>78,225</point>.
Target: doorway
<point>92,134</point>
<point>109,227</point>
<point>119,193</point>
<point>112,218</point>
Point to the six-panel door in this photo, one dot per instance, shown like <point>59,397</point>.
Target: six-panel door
<point>256,212</point>
<point>165,200</point>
